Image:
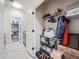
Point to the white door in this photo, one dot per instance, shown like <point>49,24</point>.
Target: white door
<point>30,35</point>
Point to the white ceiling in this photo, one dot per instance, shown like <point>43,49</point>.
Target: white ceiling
<point>28,4</point>
<point>25,3</point>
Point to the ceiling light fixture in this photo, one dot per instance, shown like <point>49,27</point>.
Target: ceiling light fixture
<point>16,5</point>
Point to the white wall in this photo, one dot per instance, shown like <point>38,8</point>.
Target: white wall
<point>36,3</point>
<point>73,26</point>
<point>11,12</point>
<point>39,24</point>
<point>2,56</point>
<point>52,5</point>
<point>1,27</point>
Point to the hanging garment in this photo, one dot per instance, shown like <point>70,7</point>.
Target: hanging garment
<point>45,56</point>
<point>65,37</point>
<point>60,28</point>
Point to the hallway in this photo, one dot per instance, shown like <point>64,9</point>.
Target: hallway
<point>16,51</point>
<point>39,29</point>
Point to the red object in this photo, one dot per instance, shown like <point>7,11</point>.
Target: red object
<point>65,38</point>
<point>45,56</point>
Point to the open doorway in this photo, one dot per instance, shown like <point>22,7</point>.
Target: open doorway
<point>15,29</point>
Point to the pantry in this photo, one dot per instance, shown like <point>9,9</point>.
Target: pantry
<point>57,29</point>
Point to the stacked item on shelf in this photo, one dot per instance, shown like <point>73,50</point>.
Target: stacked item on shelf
<point>48,41</point>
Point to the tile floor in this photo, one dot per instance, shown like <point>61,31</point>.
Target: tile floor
<point>16,51</point>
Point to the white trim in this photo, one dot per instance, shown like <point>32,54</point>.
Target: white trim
<point>73,12</point>
<point>34,27</point>
<point>37,3</point>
